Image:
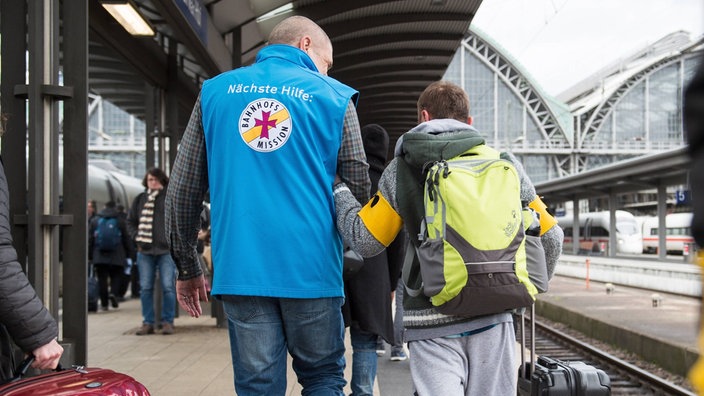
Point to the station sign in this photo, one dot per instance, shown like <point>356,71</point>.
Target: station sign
<point>197,16</point>
<point>682,197</point>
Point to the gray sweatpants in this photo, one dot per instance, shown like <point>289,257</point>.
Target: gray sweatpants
<point>476,365</point>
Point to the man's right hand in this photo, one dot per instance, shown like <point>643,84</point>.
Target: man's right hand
<point>47,356</point>
<point>189,293</point>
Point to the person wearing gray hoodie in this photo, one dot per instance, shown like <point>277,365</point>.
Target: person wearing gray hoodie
<point>450,355</point>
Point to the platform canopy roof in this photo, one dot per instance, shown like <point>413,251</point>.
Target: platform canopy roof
<point>649,172</point>
<point>388,50</point>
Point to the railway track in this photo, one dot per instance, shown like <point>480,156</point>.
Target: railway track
<point>626,378</point>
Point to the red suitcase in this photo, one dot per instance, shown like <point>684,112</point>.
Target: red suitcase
<point>74,381</point>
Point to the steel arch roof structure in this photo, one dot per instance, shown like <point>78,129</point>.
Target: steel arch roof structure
<point>547,113</point>
<point>388,50</point>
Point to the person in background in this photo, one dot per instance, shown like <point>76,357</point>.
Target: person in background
<point>267,140</point>
<point>92,209</point>
<point>398,352</point>
<point>694,128</point>
<point>129,267</point>
<point>450,355</point>
<point>367,308</point>
<point>147,228</point>
<point>109,263</point>
<point>23,317</point>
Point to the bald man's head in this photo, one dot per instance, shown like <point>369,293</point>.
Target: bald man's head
<point>291,29</point>
<point>303,33</point>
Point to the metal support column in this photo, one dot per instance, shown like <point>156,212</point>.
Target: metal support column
<point>149,124</point>
<point>13,31</point>
<point>575,226</point>
<point>662,226</point>
<point>172,130</point>
<point>613,241</point>
<point>43,93</point>
<point>75,149</point>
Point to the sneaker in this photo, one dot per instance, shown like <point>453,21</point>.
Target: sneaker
<point>113,301</point>
<point>145,329</point>
<point>380,348</point>
<point>167,328</point>
<point>398,355</point>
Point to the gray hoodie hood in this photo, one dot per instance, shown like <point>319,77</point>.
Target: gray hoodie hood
<point>435,140</point>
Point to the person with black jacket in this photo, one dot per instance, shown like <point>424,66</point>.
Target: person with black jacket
<point>367,308</point>
<point>146,224</point>
<point>109,263</point>
<point>27,322</point>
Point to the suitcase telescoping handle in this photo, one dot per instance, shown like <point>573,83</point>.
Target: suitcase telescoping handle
<point>22,368</point>
<point>532,342</point>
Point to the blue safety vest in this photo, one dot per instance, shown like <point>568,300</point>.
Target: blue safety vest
<point>273,131</point>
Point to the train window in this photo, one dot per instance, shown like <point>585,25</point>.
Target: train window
<point>567,230</point>
<point>599,232</point>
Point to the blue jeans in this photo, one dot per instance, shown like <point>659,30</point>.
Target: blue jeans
<point>148,264</point>
<point>263,329</point>
<point>363,361</point>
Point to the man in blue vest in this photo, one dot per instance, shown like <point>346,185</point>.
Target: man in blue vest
<point>266,141</point>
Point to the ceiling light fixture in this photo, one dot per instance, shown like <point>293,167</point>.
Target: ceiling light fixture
<point>126,13</point>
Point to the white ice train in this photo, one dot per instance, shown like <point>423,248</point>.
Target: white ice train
<point>107,183</point>
<point>678,232</point>
<point>594,232</point>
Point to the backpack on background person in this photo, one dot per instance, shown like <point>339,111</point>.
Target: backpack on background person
<point>107,234</point>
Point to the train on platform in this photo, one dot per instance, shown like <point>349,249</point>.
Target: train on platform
<point>108,183</point>
<point>678,233</point>
<point>594,232</point>
<point>112,185</point>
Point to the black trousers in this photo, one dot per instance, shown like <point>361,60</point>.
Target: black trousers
<point>113,273</point>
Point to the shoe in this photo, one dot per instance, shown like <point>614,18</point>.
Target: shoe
<point>113,301</point>
<point>398,355</point>
<point>380,348</point>
<point>167,328</point>
<point>103,307</point>
<point>145,329</point>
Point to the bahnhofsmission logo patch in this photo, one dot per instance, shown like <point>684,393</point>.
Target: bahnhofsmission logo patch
<point>265,125</point>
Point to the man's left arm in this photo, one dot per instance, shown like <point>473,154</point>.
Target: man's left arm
<point>352,166</point>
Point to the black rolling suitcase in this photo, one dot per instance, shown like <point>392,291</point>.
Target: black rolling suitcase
<point>551,377</point>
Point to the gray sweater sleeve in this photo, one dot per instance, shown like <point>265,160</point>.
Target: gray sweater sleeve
<point>553,238</point>
<point>350,225</point>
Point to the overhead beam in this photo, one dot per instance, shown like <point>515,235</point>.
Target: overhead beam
<point>152,60</point>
